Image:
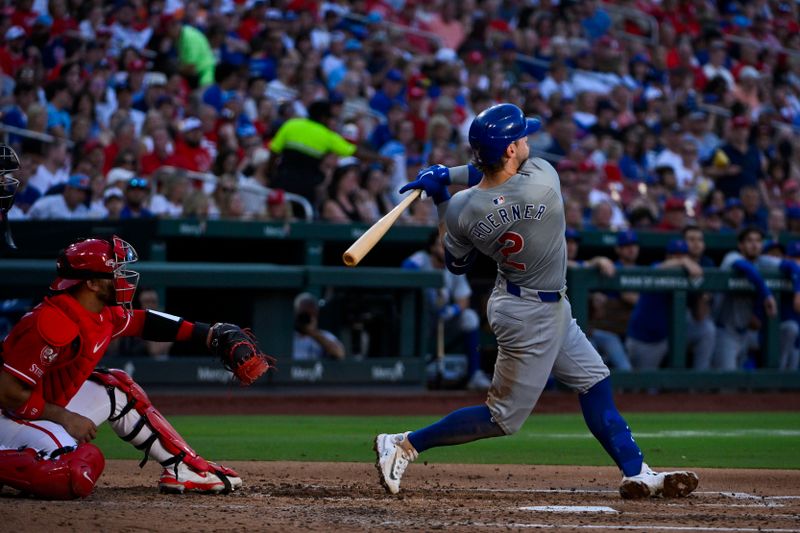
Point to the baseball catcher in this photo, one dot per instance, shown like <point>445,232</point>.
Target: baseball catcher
<point>53,397</point>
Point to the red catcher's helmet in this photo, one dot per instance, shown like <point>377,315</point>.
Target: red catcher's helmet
<point>98,259</point>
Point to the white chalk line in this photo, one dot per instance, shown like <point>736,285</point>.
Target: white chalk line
<point>735,495</point>
<point>641,527</point>
<point>601,509</point>
<point>679,434</point>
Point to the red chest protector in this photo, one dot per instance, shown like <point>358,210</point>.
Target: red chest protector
<point>66,375</point>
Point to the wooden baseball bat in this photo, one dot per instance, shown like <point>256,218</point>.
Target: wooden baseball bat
<point>353,255</point>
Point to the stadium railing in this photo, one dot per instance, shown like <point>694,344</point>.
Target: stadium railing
<point>269,289</point>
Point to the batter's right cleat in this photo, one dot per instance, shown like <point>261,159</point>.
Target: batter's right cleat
<point>181,479</point>
<point>394,453</point>
<point>649,484</point>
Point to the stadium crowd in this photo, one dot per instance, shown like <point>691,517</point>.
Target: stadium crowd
<point>659,115</point>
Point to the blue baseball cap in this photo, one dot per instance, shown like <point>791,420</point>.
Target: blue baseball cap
<point>246,130</point>
<point>572,234</point>
<point>79,181</point>
<point>625,238</point>
<point>677,246</point>
<point>730,203</point>
<point>394,75</point>
<point>352,45</point>
<point>793,249</point>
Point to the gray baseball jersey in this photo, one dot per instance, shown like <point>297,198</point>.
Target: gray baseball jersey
<point>520,224</point>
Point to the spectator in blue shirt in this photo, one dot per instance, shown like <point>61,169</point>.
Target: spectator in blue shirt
<point>754,212</point>
<point>736,163</point>
<point>15,114</point>
<point>59,100</point>
<point>226,80</point>
<point>390,92</point>
<point>647,341</point>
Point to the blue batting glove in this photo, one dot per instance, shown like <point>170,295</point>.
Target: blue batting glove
<point>449,311</point>
<point>434,181</point>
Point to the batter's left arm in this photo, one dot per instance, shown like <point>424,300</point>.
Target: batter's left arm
<point>459,252</point>
<point>465,175</point>
<point>460,265</point>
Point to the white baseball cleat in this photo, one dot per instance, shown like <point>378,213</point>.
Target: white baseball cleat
<point>394,453</point>
<point>180,479</point>
<point>648,484</point>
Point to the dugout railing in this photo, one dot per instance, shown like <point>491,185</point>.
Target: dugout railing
<point>675,374</point>
<point>267,291</point>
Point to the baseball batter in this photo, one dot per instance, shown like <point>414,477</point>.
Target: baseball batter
<point>514,214</point>
<point>53,398</point>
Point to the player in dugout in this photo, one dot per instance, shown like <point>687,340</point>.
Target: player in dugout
<point>53,398</point>
<point>513,212</point>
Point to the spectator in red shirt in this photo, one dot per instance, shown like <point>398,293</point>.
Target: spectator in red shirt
<point>674,217</point>
<point>24,15</point>
<point>11,55</point>
<point>63,23</point>
<point>162,154</point>
<point>189,153</point>
<point>124,139</point>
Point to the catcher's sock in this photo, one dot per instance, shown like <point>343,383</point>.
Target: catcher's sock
<point>608,427</point>
<point>471,348</point>
<point>465,425</point>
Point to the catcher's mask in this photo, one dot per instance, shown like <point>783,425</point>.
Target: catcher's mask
<point>9,161</point>
<point>99,259</point>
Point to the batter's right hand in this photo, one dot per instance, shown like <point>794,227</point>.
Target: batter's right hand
<point>81,428</point>
<point>434,181</point>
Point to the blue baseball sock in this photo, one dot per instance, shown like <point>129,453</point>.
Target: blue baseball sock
<point>608,427</point>
<point>465,425</point>
<point>471,348</point>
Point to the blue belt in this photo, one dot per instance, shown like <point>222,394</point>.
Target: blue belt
<point>545,296</point>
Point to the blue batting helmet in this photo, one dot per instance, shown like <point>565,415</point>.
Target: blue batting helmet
<point>495,128</point>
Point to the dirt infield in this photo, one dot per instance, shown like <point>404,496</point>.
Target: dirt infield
<point>281,496</point>
<point>295,496</point>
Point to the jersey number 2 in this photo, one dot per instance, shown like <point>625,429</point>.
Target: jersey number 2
<point>512,244</point>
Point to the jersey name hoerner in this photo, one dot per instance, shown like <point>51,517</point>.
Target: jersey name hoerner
<point>520,224</point>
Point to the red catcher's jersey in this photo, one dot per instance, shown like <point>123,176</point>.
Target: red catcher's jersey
<point>55,347</point>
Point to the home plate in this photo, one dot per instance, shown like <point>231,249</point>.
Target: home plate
<point>569,509</point>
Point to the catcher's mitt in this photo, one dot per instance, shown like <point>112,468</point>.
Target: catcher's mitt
<point>239,351</point>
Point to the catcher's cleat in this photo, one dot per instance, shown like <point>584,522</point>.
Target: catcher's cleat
<point>648,484</point>
<point>394,453</point>
<point>181,478</point>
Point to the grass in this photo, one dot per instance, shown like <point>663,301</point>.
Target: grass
<point>723,440</point>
